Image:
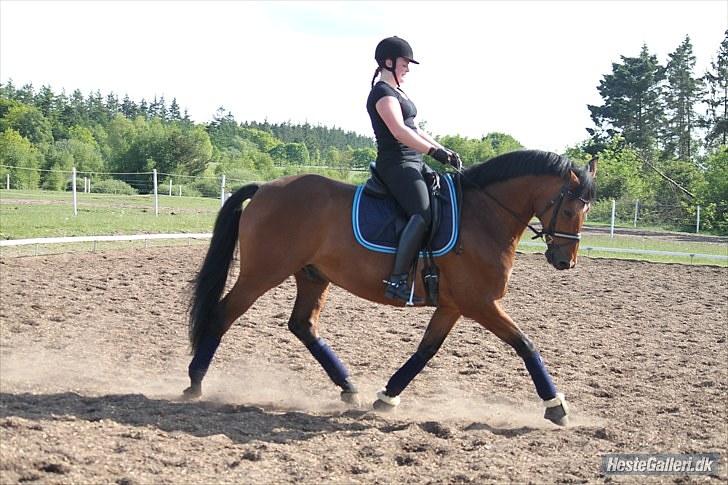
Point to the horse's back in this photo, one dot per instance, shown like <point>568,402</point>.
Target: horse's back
<point>301,194</point>
<point>295,213</point>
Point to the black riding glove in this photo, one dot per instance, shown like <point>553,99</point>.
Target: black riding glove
<point>455,159</point>
<point>440,155</point>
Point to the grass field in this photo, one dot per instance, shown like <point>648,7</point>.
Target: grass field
<point>30,214</point>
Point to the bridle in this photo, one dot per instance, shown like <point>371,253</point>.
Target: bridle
<point>548,234</point>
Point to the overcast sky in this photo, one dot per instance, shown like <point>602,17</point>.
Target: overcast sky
<point>526,68</point>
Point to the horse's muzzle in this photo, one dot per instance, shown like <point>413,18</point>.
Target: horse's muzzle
<point>558,260</point>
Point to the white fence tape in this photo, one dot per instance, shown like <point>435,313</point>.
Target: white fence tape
<point>143,237</point>
<point>78,239</point>
<point>587,249</point>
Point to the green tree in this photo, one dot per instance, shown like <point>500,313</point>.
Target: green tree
<point>59,162</point>
<point>620,168</point>
<point>22,157</point>
<point>632,108</point>
<point>682,93</point>
<point>501,143</point>
<point>714,194</point>
<point>291,153</point>
<point>29,122</point>
<point>189,150</point>
<point>715,120</point>
<point>174,114</point>
<point>362,157</point>
<point>121,134</point>
<point>84,149</point>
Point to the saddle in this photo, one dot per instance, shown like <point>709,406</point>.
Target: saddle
<point>391,220</point>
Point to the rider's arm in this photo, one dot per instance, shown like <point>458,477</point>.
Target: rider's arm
<point>427,137</point>
<point>390,110</point>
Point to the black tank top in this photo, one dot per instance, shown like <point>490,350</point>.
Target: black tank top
<point>389,149</point>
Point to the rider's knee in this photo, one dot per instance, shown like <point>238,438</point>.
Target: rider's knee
<point>422,218</point>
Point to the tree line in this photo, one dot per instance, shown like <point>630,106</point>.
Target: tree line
<point>100,134</point>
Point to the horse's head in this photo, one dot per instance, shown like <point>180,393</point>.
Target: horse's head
<point>563,215</point>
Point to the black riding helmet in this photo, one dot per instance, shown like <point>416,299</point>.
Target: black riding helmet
<point>392,48</point>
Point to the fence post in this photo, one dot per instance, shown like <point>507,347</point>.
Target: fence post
<point>73,188</point>
<point>636,211</point>
<point>7,181</point>
<point>614,208</point>
<point>170,187</point>
<point>697,222</point>
<point>156,196</point>
<point>222,191</point>
<point>180,190</point>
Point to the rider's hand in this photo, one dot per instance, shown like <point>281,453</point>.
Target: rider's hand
<point>455,159</point>
<point>440,154</point>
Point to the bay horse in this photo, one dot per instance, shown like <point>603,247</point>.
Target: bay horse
<point>301,226</point>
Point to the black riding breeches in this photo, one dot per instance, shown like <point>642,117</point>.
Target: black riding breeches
<point>407,184</point>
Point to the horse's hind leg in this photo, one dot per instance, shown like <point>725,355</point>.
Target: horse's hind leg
<point>312,291</point>
<point>240,297</point>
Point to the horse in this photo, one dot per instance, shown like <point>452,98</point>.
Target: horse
<point>301,226</point>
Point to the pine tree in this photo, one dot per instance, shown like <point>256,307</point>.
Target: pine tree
<point>143,108</point>
<point>174,114</point>
<point>128,107</point>
<point>631,102</point>
<point>715,120</point>
<point>8,89</point>
<point>162,109</point>
<point>25,94</point>
<point>44,101</point>
<point>682,93</point>
<point>112,104</point>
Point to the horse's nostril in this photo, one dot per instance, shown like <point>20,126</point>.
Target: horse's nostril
<point>562,265</point>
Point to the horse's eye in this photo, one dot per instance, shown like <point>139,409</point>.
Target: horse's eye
<point>568,213</point>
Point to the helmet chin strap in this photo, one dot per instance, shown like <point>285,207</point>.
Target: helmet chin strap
<point>392,70</point>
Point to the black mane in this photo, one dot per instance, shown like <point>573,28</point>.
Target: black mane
<point>520,163</point>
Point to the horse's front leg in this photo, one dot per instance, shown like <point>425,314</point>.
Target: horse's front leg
<point>492,317</point>
<point>439,327</point>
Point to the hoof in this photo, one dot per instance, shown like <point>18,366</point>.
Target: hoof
<point>192,392</point>
<point>384,402</point>
<point>351,398</point>
<point>382,406</point>
<point>557,411</point>
<point>557,415</point>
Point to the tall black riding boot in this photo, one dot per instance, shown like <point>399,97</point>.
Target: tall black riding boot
<point>410,242</point>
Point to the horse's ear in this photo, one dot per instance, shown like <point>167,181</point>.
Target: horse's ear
<point>591,167</point>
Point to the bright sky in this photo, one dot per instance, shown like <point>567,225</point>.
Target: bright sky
<point>526,68</point>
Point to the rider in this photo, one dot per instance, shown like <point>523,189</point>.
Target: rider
<point>400,145</point>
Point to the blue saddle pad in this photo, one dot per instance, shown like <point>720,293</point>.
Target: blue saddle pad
<point>374,220</point>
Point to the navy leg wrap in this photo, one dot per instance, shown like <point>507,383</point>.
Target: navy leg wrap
<point>405,374</point>
<point>203,356</point>
<point>541,378</point>
<point>329,361</point>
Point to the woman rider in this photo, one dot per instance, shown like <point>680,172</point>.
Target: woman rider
<point>400,145</point>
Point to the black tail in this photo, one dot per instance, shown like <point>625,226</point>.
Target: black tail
<point>205,314</point>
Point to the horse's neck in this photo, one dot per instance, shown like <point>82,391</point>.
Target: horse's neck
<point>504,226</point>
